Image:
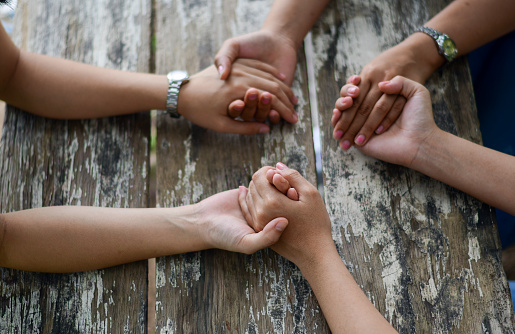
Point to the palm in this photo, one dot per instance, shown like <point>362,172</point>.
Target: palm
<point>400,144</point>
<point>227,226</point>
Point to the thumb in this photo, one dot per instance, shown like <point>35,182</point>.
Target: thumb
<point>267,237</point>
<point>243,128</point>
<point>403,86</point>
<point>226,56</point>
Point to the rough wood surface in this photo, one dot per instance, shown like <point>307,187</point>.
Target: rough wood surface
<point>427,255</point>
<point>217,291</point>
<point>101,162</point>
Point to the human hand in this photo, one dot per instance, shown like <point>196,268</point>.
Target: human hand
<point>308,236</point>
<point>263,45</point>
<point>204,99</point>
<point>222,225</point>
<point>280,183</point>
<point>401,143</point>
<point>374,112</point>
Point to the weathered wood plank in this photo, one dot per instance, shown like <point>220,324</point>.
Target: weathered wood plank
<point>427,255</point>
<point>217,291</point>
<point>102,162</point>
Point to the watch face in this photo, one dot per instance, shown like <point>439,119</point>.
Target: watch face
<point>449,48</point>
<point>177,75</point>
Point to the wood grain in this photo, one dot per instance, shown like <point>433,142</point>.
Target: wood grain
<point>217,291</point>
<point>426,255</point>
<point>101,162</point>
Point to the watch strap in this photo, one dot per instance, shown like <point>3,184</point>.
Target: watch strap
<point>174,86</point>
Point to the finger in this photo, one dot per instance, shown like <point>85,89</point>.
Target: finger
<point>263,67</point>
<point>272,232</point>
<point>280,183</point>
<point>274,117</point>
<point>280,102</point>
<point>270,175</point>
<point>360,134</point>
<point>392,116</point>
<point>235,108</point>
<point>336,116</point>
<point>251,198</point>
<point>402,86</point>
<point>293,194</point>
<point>230,125</point>
<point>343,103</point>
<point>362,112</point>
<point>263,107</point>
<point>348,116</point>
<point>355,80</point>
<point>251,102</point>
<point>296,181</point>
<point>242,194</point>
<point>226,56</point>
<point>349,90</point>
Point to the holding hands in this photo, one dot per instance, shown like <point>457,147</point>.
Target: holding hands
<point>401,143</point>
<point>308,236</point>
<point>372,111</point>
<point>267,47</point>
<point>249,78</point>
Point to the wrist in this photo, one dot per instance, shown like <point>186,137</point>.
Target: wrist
<point>425,52</point>
<point>320,265</point>
<point>428,152</point>
<point>285,33</point>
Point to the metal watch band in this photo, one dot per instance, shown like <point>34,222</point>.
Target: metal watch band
<point>445,44</point>
<point>175,80</point>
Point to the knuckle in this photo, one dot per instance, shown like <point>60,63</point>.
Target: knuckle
<point>381,108</point>
<point>365,108</point>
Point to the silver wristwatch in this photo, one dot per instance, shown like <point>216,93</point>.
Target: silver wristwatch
<point>175,80</point>
<point>446,46</point>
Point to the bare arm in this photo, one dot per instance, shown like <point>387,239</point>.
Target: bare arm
<point>293,19</point>
<point>470,23</point>
<point>481,172</point>
<point>63,89</point>
<point>67,239</point>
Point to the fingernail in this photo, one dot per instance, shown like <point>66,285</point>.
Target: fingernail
<point>265,100</point>
<point>264,129</point>
<point>239,108</point>
<point>280,226</point>
<point>281,166</point>
<point>252,97</point>
<point>295,100</point>
<point>379,129</point>
<point>345,145</point>
<point>335,111</point>
<point>295,118</point>
<point>359,139</point>
<point>220,69</point>
<point>338,134</point>
<point>282,76</point>
<point>352,90</point>
<point>385,82</point>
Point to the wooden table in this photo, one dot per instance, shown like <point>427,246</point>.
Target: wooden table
<point>427,255</point>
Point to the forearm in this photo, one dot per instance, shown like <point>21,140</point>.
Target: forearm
<point>470,23</point>
<point>58,88</point>
<point>294,18</point>
<point>67,239</point>
<point>473,23</point>
<point>481,172</point>
<point>345,306</point>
